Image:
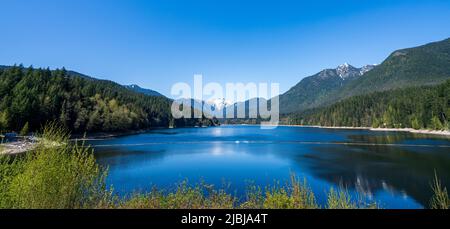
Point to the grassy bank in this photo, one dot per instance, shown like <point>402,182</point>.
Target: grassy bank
<point>66,175</point>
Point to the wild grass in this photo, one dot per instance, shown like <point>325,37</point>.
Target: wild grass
<point>200,196</point>
<point>440,199</point>
<point>60,174</point>
<point>293,195</point>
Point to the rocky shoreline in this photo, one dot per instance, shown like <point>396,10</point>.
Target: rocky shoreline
<point>410,130</point>
<point>17,147</point>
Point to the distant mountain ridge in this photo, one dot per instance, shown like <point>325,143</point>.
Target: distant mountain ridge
<point>424,107</point>
<point>311,88</point>
<point>418,66</point>
<point>132,87</point>
<point>423,65</point>
<point>311,91</point>
<point>145,91</point>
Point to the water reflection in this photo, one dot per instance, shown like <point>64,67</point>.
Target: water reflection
<point>398,174</point>
<point>392,169</point>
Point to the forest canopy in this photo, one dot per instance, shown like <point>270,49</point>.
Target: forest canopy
<point>31,97</point>
<point>426,107</point>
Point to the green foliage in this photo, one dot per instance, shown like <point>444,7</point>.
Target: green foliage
<point>4,120</point>
<point>278,198</point>
<point>254,198</point>
<point>80,103</point>
<point>200,196</point>
<point>293,195</point>
<point>339,200</point>
<point>56,174</point>
<point>436,123</point>
<point>415,123</point>
<point>417,107</point>
<point>440,199</point>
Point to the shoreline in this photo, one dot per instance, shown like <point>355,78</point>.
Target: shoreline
<point>19,147</point>
<point>410,130</point>
<point>15,148</point>
<point>105,135</point>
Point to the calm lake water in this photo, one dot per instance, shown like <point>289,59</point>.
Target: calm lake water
<point>393,168</point>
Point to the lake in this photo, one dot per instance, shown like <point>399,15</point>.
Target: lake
<point>393,168</point>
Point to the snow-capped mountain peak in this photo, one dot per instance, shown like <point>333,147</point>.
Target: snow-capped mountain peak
<point>219,103</point>
<point>346,70</point>
<point>367,68</point>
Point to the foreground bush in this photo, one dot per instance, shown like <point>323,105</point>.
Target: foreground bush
<point>55,174</point>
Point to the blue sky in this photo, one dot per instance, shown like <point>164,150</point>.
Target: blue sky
<point>158,43</point>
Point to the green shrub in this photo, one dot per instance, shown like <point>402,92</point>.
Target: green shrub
<point>278,198</point>
<point>200,196</point>
<point>339,200</point>
<point>295,195</point>
<point>302,194</point>
<point>436,123</point>
<point>254,198</point>
<point>54,175</point>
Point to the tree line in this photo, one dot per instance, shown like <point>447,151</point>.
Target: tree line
<point>31,97</point>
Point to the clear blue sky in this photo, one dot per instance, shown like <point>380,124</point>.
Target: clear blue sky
<point>158,43</point>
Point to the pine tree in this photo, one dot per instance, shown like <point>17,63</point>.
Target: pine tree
<point>25,130</point>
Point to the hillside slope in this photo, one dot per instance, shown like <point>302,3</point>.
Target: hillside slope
<point>424,65</point>
<point>145,91</point>
<point>31,97</point>
<point>314,90</point>
<point>415,107</point>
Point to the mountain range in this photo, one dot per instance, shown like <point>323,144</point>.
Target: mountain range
<point>311,91</point>
<point>424,65</point>
<point>412,67</point>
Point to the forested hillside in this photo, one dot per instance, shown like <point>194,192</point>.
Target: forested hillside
<point>424,65</point>
<point>30,97</point>
<point>416,107</point>
<point>315,90</point>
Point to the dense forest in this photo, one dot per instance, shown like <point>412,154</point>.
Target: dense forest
<point>425,107</point>
<point>31,97</point>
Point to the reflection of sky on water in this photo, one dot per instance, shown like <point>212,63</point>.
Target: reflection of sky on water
<point>396,176</point>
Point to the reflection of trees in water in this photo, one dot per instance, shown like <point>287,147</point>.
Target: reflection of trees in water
<point>373,168</point>
<point>378,139</point>
<point>394,137</point>
<point>111,156</point>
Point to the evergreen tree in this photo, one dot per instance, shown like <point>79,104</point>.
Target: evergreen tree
<point>25,130</point>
